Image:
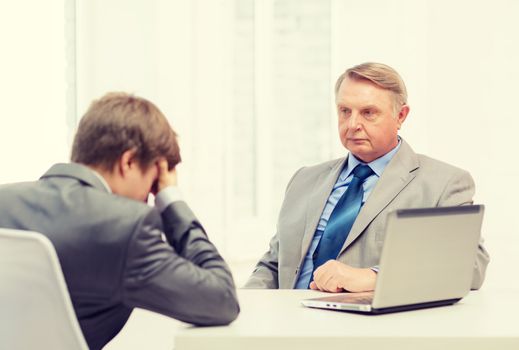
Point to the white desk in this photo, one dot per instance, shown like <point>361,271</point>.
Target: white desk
<point>275,319</point>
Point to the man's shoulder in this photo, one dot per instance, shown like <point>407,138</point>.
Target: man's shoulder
<point>320,167</point>
<point>427,165</point>
<point>308,175</point>
<point>115,205</point>
<point>430,164</point>
<point>67,197</point>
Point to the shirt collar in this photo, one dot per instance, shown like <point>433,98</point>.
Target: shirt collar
<point>378,165</point>
<point>102,179</point>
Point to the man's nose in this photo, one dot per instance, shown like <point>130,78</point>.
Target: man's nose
<point>354,121</point>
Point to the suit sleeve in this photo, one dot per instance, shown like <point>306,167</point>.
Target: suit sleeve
<point>265,274</point>
<point>460,190</point>
<point>186,279</point>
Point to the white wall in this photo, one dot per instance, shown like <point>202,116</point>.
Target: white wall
<point>194,60</point>
<point>33,123</point>
<point>458,59</point>
<point>173,53</point>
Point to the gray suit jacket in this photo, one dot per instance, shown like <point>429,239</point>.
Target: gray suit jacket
<point>114,256</point>
<point>410,180</point>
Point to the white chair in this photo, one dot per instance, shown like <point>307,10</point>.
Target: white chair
<point>35,307</point>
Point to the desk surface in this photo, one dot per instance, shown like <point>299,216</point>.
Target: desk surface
<point>275,319</point>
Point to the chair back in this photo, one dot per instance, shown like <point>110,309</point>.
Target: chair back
<point>35,307</point>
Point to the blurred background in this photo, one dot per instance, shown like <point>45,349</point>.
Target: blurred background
<point>248,86</point>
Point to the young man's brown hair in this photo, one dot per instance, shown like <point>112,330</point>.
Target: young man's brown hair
<point>119,122</point>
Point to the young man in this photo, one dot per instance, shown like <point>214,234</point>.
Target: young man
<point>116,252</point>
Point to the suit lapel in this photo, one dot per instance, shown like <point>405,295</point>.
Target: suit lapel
<point>317,200</point>
<point>397,175</point>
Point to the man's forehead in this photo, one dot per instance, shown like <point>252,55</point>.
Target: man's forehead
<point>362,91</point>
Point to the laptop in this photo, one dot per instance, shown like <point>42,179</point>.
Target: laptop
<point>427,260</point>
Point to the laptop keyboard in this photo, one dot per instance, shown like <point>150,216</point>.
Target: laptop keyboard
<point>351,298</point>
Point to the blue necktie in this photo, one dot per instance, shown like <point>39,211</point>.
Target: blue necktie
<point>342,218</point>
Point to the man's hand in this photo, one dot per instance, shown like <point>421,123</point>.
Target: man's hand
<point>165,177</point>
<point>334,276</point>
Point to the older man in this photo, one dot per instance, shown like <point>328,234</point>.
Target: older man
<point>330,230</point>
<point>116,252</point>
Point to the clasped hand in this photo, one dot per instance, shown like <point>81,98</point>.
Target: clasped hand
<point>165,177</point>
<point>334,276</point>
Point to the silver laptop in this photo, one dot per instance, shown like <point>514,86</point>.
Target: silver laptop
<point>427,260</point>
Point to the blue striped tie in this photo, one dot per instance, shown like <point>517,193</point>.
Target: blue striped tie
<point>342,218</point>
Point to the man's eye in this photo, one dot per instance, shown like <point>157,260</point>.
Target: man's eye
<point>368,113</point>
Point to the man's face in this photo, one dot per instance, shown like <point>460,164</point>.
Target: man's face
<point>368,126</point>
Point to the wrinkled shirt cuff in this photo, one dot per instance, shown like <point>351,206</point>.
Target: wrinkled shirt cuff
<point>167,196</point>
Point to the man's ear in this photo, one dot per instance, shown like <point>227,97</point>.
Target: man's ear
<point>126,162</point>
<point>402,115</point>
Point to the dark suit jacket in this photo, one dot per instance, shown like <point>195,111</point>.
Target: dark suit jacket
<point>117,253</point>
<point>410,180</point>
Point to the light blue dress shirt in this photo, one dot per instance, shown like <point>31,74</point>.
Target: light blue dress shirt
<point>341,185</point>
